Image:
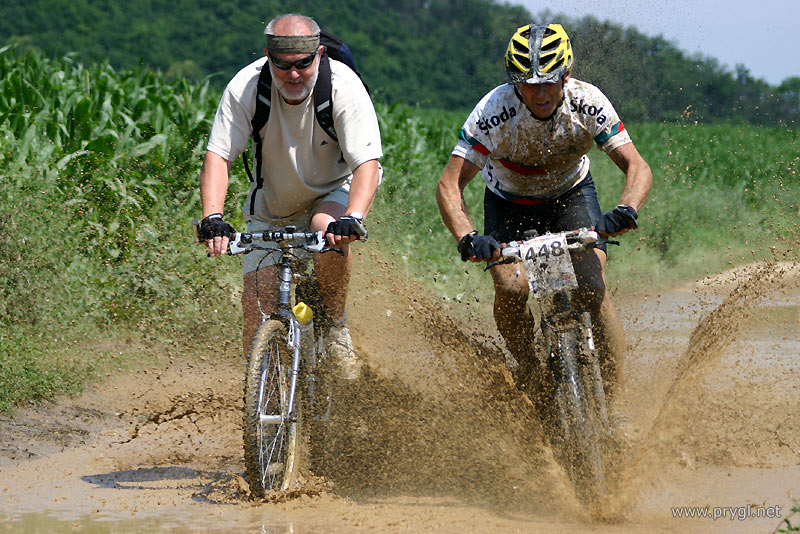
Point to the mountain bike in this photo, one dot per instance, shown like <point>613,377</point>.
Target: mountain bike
<point>571,398</point>
<point>281,381</point>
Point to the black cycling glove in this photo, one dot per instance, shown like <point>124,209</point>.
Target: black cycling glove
<point>213,226</point>
<point>347,226</point>
<point>623,217</point>
<point>479,246</point>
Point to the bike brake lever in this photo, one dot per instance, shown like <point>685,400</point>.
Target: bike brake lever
<point>196,228</point>
<point>501,262</point>
<point>331,249</point>
<point>235,245</point>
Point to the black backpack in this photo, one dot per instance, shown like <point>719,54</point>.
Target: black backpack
<point>336,49</point>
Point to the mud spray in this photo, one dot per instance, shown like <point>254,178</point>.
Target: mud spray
<point>435,435</point>
<point>436,412</point>
<point>439,414</point>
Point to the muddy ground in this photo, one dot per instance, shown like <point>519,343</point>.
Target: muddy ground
<point>436,437</point>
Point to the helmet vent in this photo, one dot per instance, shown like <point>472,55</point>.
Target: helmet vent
<point>550,46</point>
<point>538,54</point>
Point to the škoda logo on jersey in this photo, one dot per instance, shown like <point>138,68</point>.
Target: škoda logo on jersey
<point>492,122</point>
<point>592,111</point>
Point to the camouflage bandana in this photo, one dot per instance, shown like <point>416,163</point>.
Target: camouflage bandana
<point>292,44</point>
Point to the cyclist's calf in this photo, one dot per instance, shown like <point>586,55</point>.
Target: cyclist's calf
<point>512,316</point>
<point>606,326</point>
<point>259,296</point>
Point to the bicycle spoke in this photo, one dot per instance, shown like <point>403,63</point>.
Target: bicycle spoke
<point>270,436</point>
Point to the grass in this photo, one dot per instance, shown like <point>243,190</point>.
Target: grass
<point>30,373</point>
<point>722,195</point>
<point>790,523</point>
<point>98,183</point>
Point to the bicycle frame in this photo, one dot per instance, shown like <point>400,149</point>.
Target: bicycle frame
<point>273,390</point>
<point>552,283</point>
<point>288,265</point>
<point>284,313</point>
<point>576,385</point>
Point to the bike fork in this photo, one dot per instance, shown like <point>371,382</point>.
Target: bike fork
<point>591,361</point>
<point>294,371</point>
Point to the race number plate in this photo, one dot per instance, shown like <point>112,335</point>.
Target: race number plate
<point>548,263</point>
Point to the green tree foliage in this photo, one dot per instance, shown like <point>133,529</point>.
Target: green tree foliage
<point>432,53</point>
<point>649,78</point>
<point>435,53</point>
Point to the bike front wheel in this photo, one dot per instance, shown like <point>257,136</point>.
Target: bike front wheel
<point>271,430</point>
<point>581,429</point>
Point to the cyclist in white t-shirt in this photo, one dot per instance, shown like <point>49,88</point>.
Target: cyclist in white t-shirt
<point>529,139</point>
<point>308,178</point>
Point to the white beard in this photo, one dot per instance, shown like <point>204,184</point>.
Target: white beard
<point>292,91</point>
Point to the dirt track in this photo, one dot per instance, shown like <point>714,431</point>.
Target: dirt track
<point>437,438</point>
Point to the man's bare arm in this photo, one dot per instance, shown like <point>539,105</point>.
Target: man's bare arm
<point>638,177</point>
<point>213,189</point>
<point>450,196</point>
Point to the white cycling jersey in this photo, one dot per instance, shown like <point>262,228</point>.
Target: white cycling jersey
<point>523,156</point>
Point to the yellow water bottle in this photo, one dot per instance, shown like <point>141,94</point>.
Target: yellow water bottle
<point>305,316</point>
<point>303,312</point>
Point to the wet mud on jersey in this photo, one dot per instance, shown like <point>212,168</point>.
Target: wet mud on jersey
<point>523,156</point>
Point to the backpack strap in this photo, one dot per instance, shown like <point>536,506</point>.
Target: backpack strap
<point>260,118</point>
<point>323,104</point>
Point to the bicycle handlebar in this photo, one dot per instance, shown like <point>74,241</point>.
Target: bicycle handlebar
<point>242,242</point>
<point>576,239</point>
<point>582,238</point>
<point>311,241</point>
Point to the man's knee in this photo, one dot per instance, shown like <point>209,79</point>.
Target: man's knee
<point>510,284</point>
<point>591,294</point>
<point>332,268</point>
<point>511,313</point>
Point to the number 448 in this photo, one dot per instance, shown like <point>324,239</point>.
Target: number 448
<point>554,247</point>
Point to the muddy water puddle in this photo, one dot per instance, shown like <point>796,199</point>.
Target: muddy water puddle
<point>665,507</point>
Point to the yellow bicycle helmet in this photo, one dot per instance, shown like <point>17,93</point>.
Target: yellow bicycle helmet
<point>538,54</point>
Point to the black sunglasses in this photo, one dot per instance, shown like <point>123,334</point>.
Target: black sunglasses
<point>299,64</point>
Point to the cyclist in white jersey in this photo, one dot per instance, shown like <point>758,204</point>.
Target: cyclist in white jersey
<point>529,139</point>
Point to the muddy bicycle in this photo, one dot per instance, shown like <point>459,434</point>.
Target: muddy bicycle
<point>282,386</point>
<point>574,408</point>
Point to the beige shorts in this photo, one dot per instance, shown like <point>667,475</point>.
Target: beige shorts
<point>262,258</point>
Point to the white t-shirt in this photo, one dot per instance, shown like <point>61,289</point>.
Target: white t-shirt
<point>521,155</point>
<point>300,162</point>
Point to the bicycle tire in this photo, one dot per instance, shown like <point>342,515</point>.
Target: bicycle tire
<point>580,434</point>
<point>270,448</point>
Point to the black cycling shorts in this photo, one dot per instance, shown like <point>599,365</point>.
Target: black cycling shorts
<point>508,221</point>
